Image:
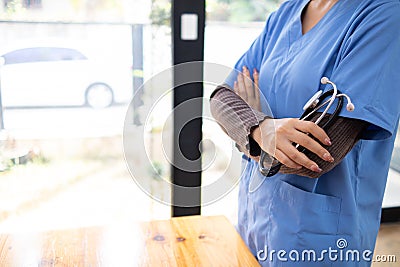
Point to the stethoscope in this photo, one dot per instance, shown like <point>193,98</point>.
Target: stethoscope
<point>310,108</point>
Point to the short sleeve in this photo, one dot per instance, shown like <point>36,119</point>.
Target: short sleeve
<point>368,70</point>
<point>253,57</point>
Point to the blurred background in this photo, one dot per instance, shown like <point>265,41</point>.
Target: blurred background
<point>69,69</point>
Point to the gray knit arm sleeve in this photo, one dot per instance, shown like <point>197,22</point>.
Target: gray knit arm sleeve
<point>236,118</point>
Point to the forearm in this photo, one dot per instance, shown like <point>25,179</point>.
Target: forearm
<point>344,134</point>
<point>241,123</point>
<point>236,118</point>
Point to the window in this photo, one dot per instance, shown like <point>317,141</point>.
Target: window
<point>64,155</point>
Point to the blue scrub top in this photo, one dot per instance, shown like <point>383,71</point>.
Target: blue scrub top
<point>357,45</point>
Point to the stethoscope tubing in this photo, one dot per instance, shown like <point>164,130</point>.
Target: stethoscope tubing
<point>335,94</point>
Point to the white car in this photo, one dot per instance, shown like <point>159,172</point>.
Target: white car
<point>59,76</point>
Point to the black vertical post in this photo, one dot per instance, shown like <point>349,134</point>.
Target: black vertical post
<point>187,135</point>
<point>137,69</point>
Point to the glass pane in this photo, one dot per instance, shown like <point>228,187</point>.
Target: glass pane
<point>62,161</point>
<point>231,27</point>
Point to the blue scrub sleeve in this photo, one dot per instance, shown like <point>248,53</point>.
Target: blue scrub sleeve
<point>252,58</point>
<point>368,70</point>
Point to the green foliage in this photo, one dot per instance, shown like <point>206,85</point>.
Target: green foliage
<point>217,10</point>
<point>220,10</point>
<point>160,12</point>
<point>14,7</point>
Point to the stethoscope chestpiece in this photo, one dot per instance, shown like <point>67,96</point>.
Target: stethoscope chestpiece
<point>313,101</point>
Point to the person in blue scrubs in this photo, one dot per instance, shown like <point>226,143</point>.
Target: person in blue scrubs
<point>292,220</point>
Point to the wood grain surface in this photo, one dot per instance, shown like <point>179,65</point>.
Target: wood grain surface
<point>184,241</point>
<point>387,246</point>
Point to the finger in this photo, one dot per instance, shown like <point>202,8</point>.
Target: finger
<point>235,87</point>
<point>255,77</point>
<point>248,82</point>
<point>294,155</point>
<point>241,87</point>
<point>256,89</point>
<point>285,160</point>
<point>306,141</point>
<point>314,130</point>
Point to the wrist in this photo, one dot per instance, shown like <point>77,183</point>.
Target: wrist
<point>256,134</point>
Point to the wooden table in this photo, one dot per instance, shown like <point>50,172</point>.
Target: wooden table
<point>184,241</point>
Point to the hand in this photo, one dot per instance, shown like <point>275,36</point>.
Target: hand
<point>248,90</point>
<point>276,137</point>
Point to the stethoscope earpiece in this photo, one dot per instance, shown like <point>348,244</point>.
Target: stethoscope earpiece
<point>350,106</point>
<point>324,80</point>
